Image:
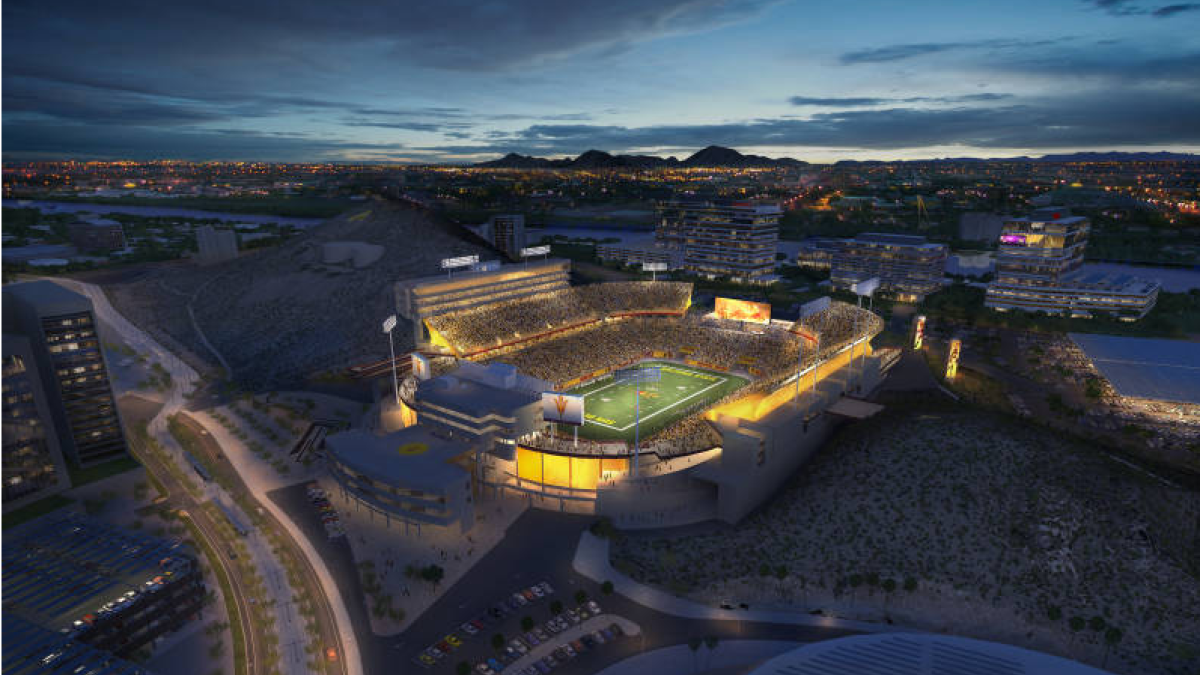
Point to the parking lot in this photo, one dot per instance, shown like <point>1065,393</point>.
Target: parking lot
<point>528,632</point>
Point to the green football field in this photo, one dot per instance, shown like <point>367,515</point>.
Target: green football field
<point>610,413</point>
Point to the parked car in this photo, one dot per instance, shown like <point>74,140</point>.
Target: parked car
<point>593,607</point>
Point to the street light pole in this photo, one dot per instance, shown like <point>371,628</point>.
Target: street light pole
<point>389,324</point>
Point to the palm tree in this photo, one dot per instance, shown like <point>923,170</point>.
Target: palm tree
<point>1077,623</point>
<point>1111,637</point>
<point>694,645</point>
<point>711,643</point>
<point>781,572</point>
<point>888,585</point>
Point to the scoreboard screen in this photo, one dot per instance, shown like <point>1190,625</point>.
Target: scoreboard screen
<point>743,310</point>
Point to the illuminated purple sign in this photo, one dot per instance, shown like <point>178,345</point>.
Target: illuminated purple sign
<point>1014,239</point>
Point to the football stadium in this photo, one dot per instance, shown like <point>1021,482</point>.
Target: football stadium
<point>616,398</point>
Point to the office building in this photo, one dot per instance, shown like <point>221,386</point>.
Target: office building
<point>99,584</point>
<point>816,253</point>
<point>507,233</point>
<point>215,246</point>
<point>722,238</point>
<point>639,252</point>
<point>33,461</point>
<point>97,235</point>
<point>1038,269</point>
<point>419,299</point>
<point>908,267</point>
<point>61,329</point>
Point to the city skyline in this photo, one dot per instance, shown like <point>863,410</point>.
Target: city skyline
<point>785,79</point>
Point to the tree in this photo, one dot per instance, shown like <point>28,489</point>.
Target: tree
<point>856,580</point>
<point>711,643</point>
<point>556,607</point>
<point>606,588</point>
<point>1077,623</point>
<point>498,641</point>
<point>1111,637</point>
<point>910,584</point>
<point>694,645</point>
<point>433,574</point>
<point>527,623</point>
<point>781,572</point>
<point>1096,623</point>
<point>764,570</point>
<point>888,585</point>
<point>1054,613</point>
<point>463,668</point>
<point>580,596</point>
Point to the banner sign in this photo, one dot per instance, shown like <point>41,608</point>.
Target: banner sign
<point>919,333</point>
<point>535,250</point>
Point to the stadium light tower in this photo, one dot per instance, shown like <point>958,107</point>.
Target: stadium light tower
<point>388,325</point>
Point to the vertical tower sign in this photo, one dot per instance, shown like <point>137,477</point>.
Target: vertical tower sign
<point>952,358</point>
<point>919,332</point>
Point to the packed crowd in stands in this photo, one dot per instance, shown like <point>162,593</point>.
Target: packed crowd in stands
<point>491,326</point>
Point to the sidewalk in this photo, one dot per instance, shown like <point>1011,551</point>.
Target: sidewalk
<point>259,480</point>
<point>591,560</point>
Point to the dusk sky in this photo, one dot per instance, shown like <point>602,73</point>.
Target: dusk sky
<point>459,80</point>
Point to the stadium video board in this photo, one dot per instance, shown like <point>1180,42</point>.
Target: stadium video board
<point>1013,239</point>
<point>743,310</point>
<point>562,408</point>
<point>420,366</point>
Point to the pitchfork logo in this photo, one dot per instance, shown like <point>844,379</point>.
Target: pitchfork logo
<point>560,403</point>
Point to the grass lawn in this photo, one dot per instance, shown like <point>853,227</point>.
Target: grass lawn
<point>610,412</point>
<point>91,474</point>
<point>35,509</point>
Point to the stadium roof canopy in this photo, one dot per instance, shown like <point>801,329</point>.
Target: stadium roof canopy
<point>1163,370</point>
<point>917,654</point>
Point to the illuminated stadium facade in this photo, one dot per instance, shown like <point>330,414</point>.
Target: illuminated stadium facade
<point>686,417</point>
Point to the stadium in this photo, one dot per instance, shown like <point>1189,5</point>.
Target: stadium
<point>614,398</point>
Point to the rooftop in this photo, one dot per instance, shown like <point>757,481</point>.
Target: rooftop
<point>897,239</point>
<point>1151,368</point>
<point>30,649</point>
<point>412,457</point>
<point>475,398</point>
<point>71,566</point>
<point>49,297</point>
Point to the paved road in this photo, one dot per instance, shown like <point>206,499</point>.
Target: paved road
<point>539,546</point>
<point>178,498</point>
<point>326,623</point>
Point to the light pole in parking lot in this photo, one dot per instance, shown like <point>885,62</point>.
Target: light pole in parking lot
<point>388,325</point>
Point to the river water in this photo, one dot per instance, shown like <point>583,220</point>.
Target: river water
<point>157,211</point>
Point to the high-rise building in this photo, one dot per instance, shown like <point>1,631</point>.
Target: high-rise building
<point>909,267</point>
<point>32,457</point>
<point>508,234</point>
<point>736,239</point>
<point>61,329</point>
<point>215,246</point>
<point>1038,269</point>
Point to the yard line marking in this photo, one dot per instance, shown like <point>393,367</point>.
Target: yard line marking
<point>685,398</point>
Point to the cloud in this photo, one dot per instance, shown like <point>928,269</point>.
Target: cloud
<point>902,52</point>
<point>1172,10</point>
<point>1134,8</point>
<point>49,140</point>
<point>1092,120</point>
<point>863,102</point>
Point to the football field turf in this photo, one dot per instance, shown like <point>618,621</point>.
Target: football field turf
<point>610,413</point>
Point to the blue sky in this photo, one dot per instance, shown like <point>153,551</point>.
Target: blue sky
<point>461,80</point>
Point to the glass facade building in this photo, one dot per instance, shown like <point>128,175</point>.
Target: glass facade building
<point>721,238</point>
<point>908,267</point>
<point>61,330</point>
<point>1038,263</point>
